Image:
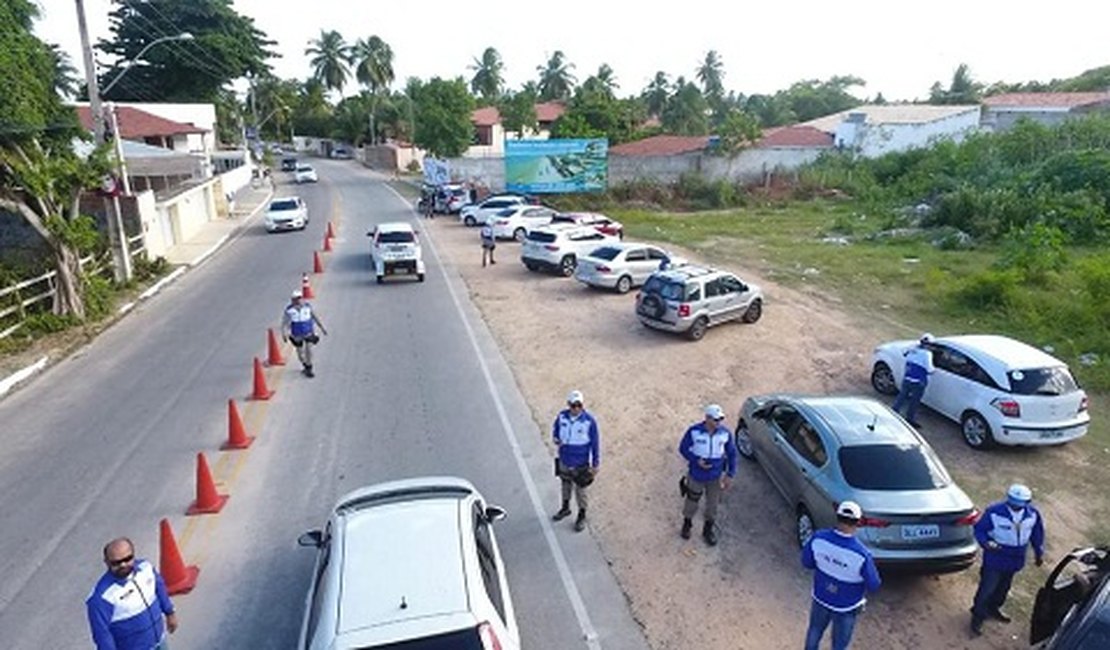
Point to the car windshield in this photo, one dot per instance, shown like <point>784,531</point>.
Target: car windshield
<point>467,639</point>
<point>1042,381</point>
<point>397,237</point>
<point>667,289</point>
<point>564,218</point>
<point>458,191</point>
<point>283,204</point>
<point>541,237</point>
<point>892,467</point>
<point>606,253</point>
<point>304,168</point>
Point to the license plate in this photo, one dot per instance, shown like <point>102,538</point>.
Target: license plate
<point>921,531</point>
<point>1049,435</point>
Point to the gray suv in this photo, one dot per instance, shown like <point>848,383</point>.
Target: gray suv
<point>691,299</point>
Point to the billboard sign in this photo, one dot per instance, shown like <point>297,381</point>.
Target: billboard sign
<point>556,166</point>
<point>436,171</point>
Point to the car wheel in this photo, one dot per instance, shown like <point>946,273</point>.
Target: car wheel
<point>803,525</point>
<point>976,431</point>
<point>468,221</point>
<point>754,311</point>
<point>882,379</point>
<point>697,330</point>
<point>381,279</point>
<point>624,284</point>
<point>567,266</point>
<point>531,267</point>
<point>520,234</point>
<point>744,439</point>
<point>419,277</point>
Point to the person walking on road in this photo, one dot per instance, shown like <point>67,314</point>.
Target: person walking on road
<point>843,572</point>
<point>709,450</point>
<point>489,243</point>
<point>1005,531</point>
<point>919,365</point>
<point>298,326</point>
<point>576,435</point>
<point>129,608</point>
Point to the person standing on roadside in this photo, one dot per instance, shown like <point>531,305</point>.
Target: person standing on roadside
<point>1005,531</point>
<point>919,365</point>
<point>298,326</point>
<point>843,572</point>
<point>129,608</point>
<point>710,452</point>
<point>489,243</point>
<point>576,436</point>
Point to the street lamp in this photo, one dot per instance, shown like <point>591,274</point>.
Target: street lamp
<point>184,36</point>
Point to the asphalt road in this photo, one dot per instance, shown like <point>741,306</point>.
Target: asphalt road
<point>409,382</point>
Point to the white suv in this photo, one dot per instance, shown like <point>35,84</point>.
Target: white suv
<point>999,390</point>
<point>690,299</point>
<point>395,249</point>
<point>409,565</point>
<point>287,213</point>
<point>558,247</point>
<point>476,214</point>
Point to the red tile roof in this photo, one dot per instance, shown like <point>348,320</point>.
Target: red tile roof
<point>662,145</point>
<point>135,124</point>
<point>1046,100</point>
<point>486,116</point>
<point>545,112</point>
<point>794,136</point>
<point>549,111</point>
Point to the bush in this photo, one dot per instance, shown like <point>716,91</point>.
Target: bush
<point>98,297</point>
<point>1034,251</point>
<point>47,323</point>
<point>145,269</point>
<point>991,289</point>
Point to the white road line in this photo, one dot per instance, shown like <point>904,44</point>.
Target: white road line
<point>569,586</point>
<point>16,377</point>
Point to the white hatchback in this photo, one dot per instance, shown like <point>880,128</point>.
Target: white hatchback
<point>622,266</point>
<point>409,565</point>
<point>476,214</point>
<point>558,247</point>
<point>515,222</point>
<point>304,174</point>
<point>999,390</point>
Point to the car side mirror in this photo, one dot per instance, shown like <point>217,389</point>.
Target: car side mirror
<point>495,513</point>
<point>314,538</point>
<point>370,234</point>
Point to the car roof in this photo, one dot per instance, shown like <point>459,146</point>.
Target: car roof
<point>562,228</point>
<point>1005,352</point>
<point>683,273</point>
<point>395,226</point>
<point>858,420</point>
<point>628,245</point>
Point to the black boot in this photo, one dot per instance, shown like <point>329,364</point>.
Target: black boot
<point>709,532</point>
<point>308,371</point>
<point>687,526</point>
<point>563,513</point>
<point>580,523</point>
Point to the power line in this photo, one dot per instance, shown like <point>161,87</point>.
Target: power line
<point>175,30</point>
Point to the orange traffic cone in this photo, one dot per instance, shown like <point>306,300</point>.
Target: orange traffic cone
<point>306,288</point>
<point>273,357</point>
<point>327,244</point>
<point>180,579</point>
<point>331,231</point>
<point>209,501</point>
<point>237,437</point>
<point>261,391</point>
<point>317,265</point>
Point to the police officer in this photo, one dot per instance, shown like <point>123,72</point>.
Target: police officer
<point>919,365</point>
<point>576,436</point>
<point>711,454</point>
<point>297,326</point>
<point>1005,531</point>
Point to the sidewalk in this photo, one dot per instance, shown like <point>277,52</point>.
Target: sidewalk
<point>213,234</point>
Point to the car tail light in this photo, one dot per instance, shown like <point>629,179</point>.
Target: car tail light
<point>489,638</point>
<point>501,222</point>
<point>683,310</point>
<point>1083,404</point>
<point>601,268</point>
<point>873,522</point>
<point>969,519</point>
<point>1008,407</point>
<point>551,247</point>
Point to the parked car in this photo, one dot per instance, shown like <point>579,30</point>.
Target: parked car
<point>1072,609</point>
<point>621,266</point>
<point>395,249</point>
<point>999,390</point>
<point>514,222</point>
<point>690,299</point>
<point>305,174</point>
<point>820,451</point>
<point>287,213</point>
<point>558,247</point>
<point>450,198</point>
<point>409,565</point>
<point>341,153</point>
<point>476,214</point>
<point>599,221</point>
<point>288,164</point>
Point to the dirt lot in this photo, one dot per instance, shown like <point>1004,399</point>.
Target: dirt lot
<point>646,387</point>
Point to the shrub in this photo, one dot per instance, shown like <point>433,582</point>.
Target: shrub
<point>991,289</point>
<point>1034,251</point>
<point>145,269</point>
<point>98,297</point>
<point>47,323</point>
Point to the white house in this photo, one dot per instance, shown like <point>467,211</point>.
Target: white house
<point>490,134</point>
<point>1000,112</point>
<point>872,131</point>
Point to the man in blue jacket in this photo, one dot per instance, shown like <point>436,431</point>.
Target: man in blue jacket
<point>1005,531</point>
<point>576,436</point>
<point>297,325</point>
<point>127,605</point>
<point>710,452</point>
<point>919,365</point>
<point>843,573</point>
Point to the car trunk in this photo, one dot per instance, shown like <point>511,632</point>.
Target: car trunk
<point>897,519</point>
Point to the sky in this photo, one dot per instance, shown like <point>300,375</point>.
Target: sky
<point>899,48</point>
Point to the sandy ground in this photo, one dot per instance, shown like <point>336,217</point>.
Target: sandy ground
<point>645,388</point>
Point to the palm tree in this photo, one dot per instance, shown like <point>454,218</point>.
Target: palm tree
<point>606,77</point>
<point>488,80</point>
<point>330,59</point>
<point>65,75</point>
<point>656,94</point>
<point>373,59</point>
<point>711,73</point>
<point>556,81</point>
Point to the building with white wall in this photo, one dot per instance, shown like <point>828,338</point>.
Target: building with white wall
<point>872,131</point>
<point>490,134</point>
<point>1000,112</point>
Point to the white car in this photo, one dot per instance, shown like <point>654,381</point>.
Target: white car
<point>558,247</point>
<point>395,249</point>
<point>622,266</point>
<point>476,214</point>
<point>409,564</point>
<point>999,390</point>
<point>304,174</point>
<point>515,222</point>
<point>287,213</point>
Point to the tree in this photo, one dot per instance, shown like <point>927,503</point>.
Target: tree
<point>226,46</point>
<point>738,131</point>
<point>962,90</point>
<point>66,81</point>
<point>656,94</point>
<point>330,60</point>
<point>313,113</point>
<point>518,111</point>
<point>556,80</point>
<point>488,76</point>
<point>812,98</point>
<point>275,100</point>
<point>373,60</point>
<point>711,74</point>
<point>595,113</point>
<point>686,111</point>
<point>442,114</point>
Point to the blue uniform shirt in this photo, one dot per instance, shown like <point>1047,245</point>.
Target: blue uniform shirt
<point>578,439</point>
<point>126,613</point>
<point>1013,532</point>
<point>843,570</point>
<point>718,448</point>
<point>299,318</point>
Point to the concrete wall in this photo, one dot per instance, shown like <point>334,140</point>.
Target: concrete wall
<point>875,140</point>
<point>234,180</point>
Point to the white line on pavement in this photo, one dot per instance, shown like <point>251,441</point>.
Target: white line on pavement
<point>16,377</point>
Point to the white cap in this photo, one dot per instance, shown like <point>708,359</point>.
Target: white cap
<point>297,294</point>
<point>715,411</point>
<point>1019,494</point>
<point>926,338</point>
<point>849,510</point>
<point>574,396</point>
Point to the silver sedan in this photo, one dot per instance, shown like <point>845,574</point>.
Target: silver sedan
<point>819,451</point>
<point>621,266</point>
